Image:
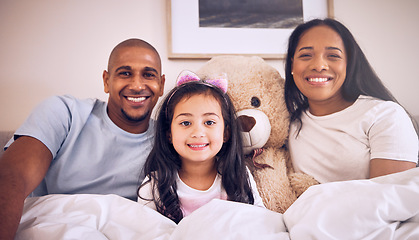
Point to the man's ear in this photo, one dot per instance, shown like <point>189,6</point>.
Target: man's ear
<point>105,77</point>
<point>162,82</point>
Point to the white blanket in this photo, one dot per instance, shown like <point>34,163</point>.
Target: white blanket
<point>382,208</point>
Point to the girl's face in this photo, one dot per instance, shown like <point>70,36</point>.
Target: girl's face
<point>319,66</point>
<point>197,129</point>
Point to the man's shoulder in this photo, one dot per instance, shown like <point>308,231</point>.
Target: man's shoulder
<point>71,103</point>
<point>71,100</point>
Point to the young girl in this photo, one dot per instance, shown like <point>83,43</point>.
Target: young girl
<point>345,124</point>
<point>197,154</point>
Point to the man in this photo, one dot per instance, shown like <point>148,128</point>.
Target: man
<point>85,146</point>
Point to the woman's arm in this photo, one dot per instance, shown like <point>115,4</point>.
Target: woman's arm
<point>380,167</point>
<point>393,141</point>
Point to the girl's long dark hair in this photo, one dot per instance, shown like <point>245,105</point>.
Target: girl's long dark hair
<point>361,78</point>
<point>163,163</point>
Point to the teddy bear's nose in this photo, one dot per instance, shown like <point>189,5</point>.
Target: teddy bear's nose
<point>247,123</point>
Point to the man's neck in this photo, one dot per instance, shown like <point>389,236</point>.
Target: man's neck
<point>135,127</point>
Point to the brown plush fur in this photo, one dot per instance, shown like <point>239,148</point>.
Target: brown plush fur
<point>251,77</point>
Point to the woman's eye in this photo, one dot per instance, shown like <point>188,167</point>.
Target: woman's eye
<point>335,56</point>
<point>304,55</point>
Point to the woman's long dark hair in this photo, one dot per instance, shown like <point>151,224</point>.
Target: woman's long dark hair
<point>163,163</point>
<point>361,78</point>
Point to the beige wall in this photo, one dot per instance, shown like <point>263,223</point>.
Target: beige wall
<point>53,47</point>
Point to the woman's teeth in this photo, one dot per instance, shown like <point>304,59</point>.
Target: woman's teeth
<point>317,79</point>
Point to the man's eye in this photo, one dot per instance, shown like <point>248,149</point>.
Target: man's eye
<point>185,123</point>
<point>124,74</point>
<point>149,75</point>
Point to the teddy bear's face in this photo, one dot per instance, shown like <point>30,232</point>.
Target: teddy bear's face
<point>256,129</point>
<point>254,85</point>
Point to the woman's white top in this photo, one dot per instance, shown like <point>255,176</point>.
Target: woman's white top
<point>340,146</point>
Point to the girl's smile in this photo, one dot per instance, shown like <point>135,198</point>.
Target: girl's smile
<point>198,147</point>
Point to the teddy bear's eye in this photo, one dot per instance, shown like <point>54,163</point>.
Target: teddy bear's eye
<point>255,102</point>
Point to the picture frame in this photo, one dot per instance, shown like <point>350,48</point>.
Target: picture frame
<point>186,40</point>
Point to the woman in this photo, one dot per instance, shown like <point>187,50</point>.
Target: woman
<point>345,124</point>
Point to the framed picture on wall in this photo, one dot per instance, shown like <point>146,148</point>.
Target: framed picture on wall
<point>201,29</point>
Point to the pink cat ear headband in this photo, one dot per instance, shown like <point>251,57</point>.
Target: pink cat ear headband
<point>188,76</point>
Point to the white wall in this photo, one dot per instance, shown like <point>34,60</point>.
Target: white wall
<point>53,47</point>
<point>388,33</point>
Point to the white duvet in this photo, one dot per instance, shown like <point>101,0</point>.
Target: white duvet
<point>382,208</point>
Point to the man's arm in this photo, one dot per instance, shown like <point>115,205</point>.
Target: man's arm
<point>22,167</point>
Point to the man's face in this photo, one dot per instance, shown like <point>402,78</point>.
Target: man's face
<point>134,83</point>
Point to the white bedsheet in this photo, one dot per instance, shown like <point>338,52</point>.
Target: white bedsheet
<point>383,208</point>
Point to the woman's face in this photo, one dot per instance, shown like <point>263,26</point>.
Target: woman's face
<point>319,66</point>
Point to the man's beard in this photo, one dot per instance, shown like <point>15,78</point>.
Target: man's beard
<point>135,118</point>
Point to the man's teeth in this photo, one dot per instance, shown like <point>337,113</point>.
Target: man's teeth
<point>136,99</point>
<point>317,79</point>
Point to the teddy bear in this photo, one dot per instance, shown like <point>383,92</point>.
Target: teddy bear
<point>257,91</point>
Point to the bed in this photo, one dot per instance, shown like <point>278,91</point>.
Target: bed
<point>382,208</point>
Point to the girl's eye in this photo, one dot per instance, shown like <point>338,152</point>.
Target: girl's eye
<point>209,123</point>
<point>185,123</point>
